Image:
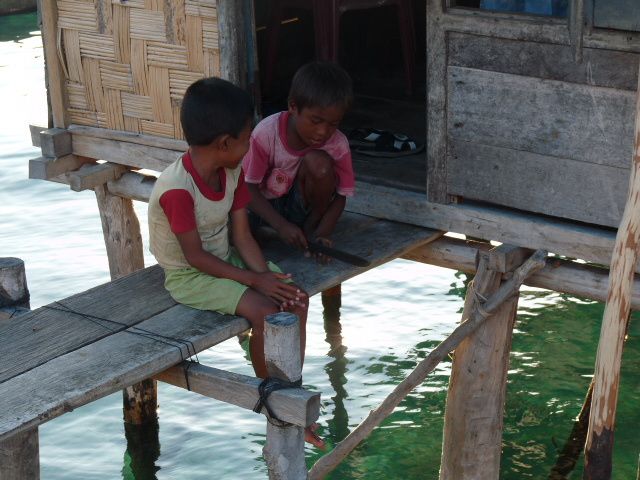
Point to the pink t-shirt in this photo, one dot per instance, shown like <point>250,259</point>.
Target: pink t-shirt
<point>273,165</point>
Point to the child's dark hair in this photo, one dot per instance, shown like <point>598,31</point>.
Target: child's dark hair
<point>212,107</point>
<point>321,84</point>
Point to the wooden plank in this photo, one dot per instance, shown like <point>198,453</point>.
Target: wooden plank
<point>293,405</point>
<point>533,29</point>
<point>485,222</point>
<point>93,175</point>
<point>130,137</point>
<point>103,367</point>
<point>602,68</point>
<point>579,122</point>
<point>35,130</point>
<point>553,186</point>
<point>46,333</point>
<point>436,104</point>
<point>133,185</point>
<point>372,239</point>
<point>129,154</point>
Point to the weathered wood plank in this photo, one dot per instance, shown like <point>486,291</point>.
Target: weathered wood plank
<point>45,333</point>
<point>488,223</point>
<point>124,153</point>
<point>133,185</point>
<point>130,137</point>
<point>110,364</point>
<point>602,68</point>
<point>436,104</point>
<point>553,186</point>
<point>579,122</point>
<point>531,28</point>
<point>374,240</point>
<point>55,142</point>
<point>293,405</point>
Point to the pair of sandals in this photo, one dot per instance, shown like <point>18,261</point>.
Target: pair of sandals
<point>382,143</point>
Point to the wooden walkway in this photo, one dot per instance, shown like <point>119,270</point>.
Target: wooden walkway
<point>92,344</point>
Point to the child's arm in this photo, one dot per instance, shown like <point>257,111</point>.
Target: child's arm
<point>330,218</point>
<point>287,231</point>
<point>266,282</point>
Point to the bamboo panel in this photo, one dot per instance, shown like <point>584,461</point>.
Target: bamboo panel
<point>127,63</point>
<point>138,106</point>
<point>201,8</point>
<point>76,15</point>
<point>96,46</point>
<point>77,96</point>
<point>87,117</point>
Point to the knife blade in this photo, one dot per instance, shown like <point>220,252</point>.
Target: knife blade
<point>317,247</point>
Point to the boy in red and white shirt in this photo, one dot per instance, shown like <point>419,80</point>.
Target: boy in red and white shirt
<point>298,167</point>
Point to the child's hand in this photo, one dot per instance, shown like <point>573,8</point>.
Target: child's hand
<point>273,286</point>
<point>321,258</point>
<point>293,235</point>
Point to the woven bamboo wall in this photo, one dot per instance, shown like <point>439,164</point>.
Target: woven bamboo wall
<point>128,63</point>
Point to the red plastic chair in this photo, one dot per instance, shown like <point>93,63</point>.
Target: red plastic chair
<point>326,19</point>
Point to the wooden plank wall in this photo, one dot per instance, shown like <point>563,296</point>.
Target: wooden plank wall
<point>529,128</point>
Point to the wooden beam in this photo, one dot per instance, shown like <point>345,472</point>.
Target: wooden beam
<point>124,153</point>
<point>91,176</point>
<point>472,434</point>
<point>35,130</point>
<point>129,137</point>
<point>55,142</point>
<point>13,283</point>
<point>293,405</point>
<point>133,185</point>
<point>558,275</point>
<point>46,168</point>
<point>599,446</point>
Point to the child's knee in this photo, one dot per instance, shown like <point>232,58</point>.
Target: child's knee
<point>319,165</point>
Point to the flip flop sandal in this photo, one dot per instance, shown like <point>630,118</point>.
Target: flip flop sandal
<point>392,145</point>
<point>365,137</point>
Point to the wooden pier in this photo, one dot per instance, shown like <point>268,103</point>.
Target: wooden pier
<point>530,143</point>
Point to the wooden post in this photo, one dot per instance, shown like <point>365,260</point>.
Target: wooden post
<point>472,437</point>
<point>19,454</point>
<point>13,283</point>
<point>599,445</point>
<point>284,449</point>
<point>233,50</point>
<point>123,240</point>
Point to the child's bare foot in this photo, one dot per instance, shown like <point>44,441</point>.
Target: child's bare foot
<point>310,436</point>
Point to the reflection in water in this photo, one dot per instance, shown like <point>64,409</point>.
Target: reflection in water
<point>337,368</point>
<point>143,450</point>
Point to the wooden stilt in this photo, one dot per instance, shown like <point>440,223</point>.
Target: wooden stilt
<point>123,240</point>
<point>472,439</point>
<point>599,445</point>
<point>19,454</point>
<point>284,449</point>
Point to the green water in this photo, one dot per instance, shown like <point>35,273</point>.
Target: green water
<point>391,318</point>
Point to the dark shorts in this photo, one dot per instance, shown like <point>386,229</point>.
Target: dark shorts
<point>290,206</point>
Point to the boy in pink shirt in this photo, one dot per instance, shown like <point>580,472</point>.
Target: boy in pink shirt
<point>298,167</point>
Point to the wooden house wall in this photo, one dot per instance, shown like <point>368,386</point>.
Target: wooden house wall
<point>527,127</point>
<point>126,64</point>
